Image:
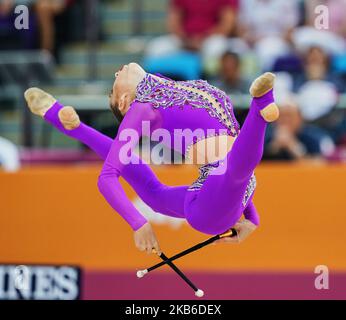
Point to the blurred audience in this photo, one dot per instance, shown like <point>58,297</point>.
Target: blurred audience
<point>261,19</point>
<point>46,11</point>
<point>317,66</point>
<point>10,37</point>
<point>266,25</point>
<point>6,7</point>
<point>229,42</point>
<point>291,139</point>
<point>198,26</point>
<point>336,19</point>
<point>43,24</point>
<point>325,29</point>
<point>318,89</point>
<point>193,22</point>
<point>231,78</point>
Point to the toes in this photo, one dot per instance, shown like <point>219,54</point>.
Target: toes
<point>31,93</point>
<point>38,100</point>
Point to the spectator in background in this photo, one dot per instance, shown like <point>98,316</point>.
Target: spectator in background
<point>266,25</point>
<point>316,66</point>
<point>318,92</point>
<point>193,22</point>
<point>261,19</point>
<point>46,11</point>
<point>198,26</point>
<point>292,139</point>
<point>43,22</point>
<point>6,7</point>
<point>232,81</point>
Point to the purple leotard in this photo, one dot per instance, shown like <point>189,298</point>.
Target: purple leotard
<point>214,202</point>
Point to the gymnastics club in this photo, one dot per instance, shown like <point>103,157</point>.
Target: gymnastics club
<point>231,233</point>
<point>198,292</point>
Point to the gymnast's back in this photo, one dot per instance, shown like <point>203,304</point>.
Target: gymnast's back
<point>194,106</point>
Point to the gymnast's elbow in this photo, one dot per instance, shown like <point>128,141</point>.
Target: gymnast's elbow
<point>101,183</point>
<point>106,177</point>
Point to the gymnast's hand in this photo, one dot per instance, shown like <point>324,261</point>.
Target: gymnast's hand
<point>244,229</point>
<point>145,239</point>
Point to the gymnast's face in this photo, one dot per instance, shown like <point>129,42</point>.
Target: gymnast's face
<point>124,88</point>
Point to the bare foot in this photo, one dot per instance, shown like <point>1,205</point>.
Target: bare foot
<point>259,88</point>
<point>69,118</point>
<point>39,101</point>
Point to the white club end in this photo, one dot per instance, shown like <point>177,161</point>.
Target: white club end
<point>141,273</point>
<point>199,293</point>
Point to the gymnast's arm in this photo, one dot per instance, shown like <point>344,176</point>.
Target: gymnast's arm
<point>115,163</point>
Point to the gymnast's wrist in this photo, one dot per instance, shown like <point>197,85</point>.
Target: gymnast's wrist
<point>252,224</point>
<point>253,218</point>
<point>139,224</point>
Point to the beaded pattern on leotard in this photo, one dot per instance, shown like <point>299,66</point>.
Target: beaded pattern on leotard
<point>164,93</point>
<point>249,189</point>
<point>204,172</point>
<point>203,175</point>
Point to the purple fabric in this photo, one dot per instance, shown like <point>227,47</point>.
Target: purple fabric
<point>214,208</point>
<point>137,173</point>
<point>182,108</point>
<point>218,205</point>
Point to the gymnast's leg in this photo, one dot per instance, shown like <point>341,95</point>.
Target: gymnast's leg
<point>161,198</point>
<point>219,203</point>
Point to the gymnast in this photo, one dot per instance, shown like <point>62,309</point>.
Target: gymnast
<point>223,192</point>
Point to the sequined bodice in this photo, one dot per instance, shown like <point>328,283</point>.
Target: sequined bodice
<point>165,93</point>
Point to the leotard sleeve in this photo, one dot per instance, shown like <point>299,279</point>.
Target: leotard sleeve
<point>119,156</point>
